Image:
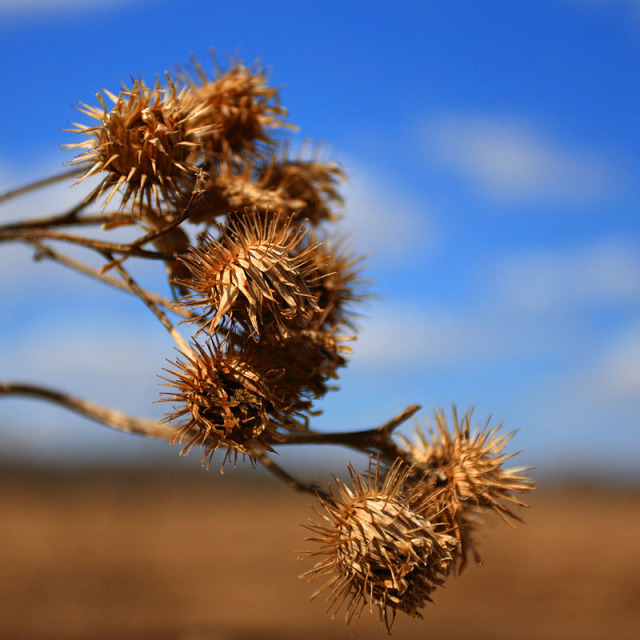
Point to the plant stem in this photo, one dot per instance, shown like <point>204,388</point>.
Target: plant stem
<point>37,184</point>
<point>285,477</point>
<point>47,252</point>
<point>143,295</point>
<point>372,441</point>
<point>97,245</point>
<point>107,417</point>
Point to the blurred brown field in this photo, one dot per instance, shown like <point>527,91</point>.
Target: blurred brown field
<point>115,554</point>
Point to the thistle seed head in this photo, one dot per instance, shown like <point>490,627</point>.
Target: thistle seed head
<point>252,275</point>
<point>466,467</point>
<point>305,361</point>
<point>340,285</point>
<point>309,188</point>
<point>146,143</point>
<point>231,190</point>
<point>300,190</point>
<point>240,104</point>
<point>222,401</point>
<point>378,547</point>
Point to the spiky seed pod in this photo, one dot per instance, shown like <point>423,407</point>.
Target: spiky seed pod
<point>467,466</point>
<point>222,401</point>
<point>378,547</point>
<point>252,272</point>
<point>341,285</point>
<point>304,360</point>
<point>309,187</point>
<point>242,106</point>
<point>232,189</point>
<point>146,143</point>
<point>299,190</point>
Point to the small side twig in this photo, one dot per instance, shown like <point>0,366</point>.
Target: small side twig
<point>372,441</point>
<point>47,252</point>
<point>196,194</point>
<point>148,237</point>
<point>155,309</point>
<point>63,220</point>
<point>285,477</point>
<point>38,184</point>
<point>90,243</point>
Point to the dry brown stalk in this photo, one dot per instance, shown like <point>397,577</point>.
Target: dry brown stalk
<point>44,251</point>
<point>271,297</point>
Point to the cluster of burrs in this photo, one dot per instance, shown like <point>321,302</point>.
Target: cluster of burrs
<point>392,536</point>
<point>267,286</point>
<point>197,168</point>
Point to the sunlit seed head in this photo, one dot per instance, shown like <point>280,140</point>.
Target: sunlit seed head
<point>252,274</point>
<point>341,288</point>
<point>241,105</point>
<point>306,361</point>
<point>466,466</point>
<point>376,548</point>
<point>144,146</point>
<point>220,400</point>
<point>309,188</point>
<point>232,189</point>
<point>300,190</point>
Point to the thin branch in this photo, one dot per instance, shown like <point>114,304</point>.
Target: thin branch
<point>142,294</point>
<point>90,243</point>
<point>285,477</point>
<point>64,219</point>
<point>47,252</point>
<point>58,177</point>
<point>148,237</point>
<point>196,194</point>
<point>363,441</point>
<point>107,417</point>
<point>372,441</point>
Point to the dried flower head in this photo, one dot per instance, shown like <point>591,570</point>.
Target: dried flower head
<point>146,143</point>
<point>378,546</point>
<point>253,276</point>
<point>469,463</point>
<point>241,105</point>
<point>308,187</point>
<point>306,361</point>
<point>300,190</point>
<point>341,285</point>
<point>232,189</point>
<point>467,467</point>
<point>226,402</point>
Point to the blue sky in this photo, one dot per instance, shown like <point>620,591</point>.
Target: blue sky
<point>493,150</point>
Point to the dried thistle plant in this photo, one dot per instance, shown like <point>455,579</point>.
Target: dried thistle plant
<point>271,296</point>
<point>241,103</point>
<point>228,402</point>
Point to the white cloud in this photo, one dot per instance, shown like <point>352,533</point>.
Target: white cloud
<point>514,161</point>
<point>587,411</point>
<point>385,222</point>
<point>614,375</point>
<point>408,335</point>
<point>557,280</point>
<point>531,305</point>
<point>106,358</point>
